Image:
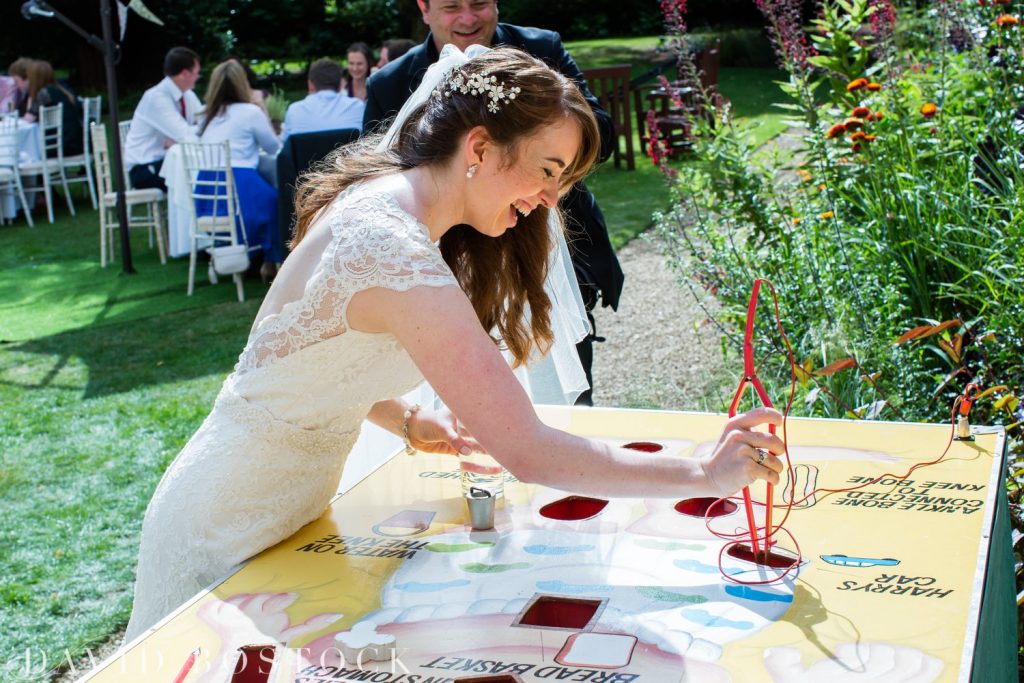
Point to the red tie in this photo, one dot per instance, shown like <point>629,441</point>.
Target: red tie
<point>182,103</point>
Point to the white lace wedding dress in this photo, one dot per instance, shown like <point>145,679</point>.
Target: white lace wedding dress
<point>268,458</point>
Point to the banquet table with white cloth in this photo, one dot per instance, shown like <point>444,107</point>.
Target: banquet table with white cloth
<point>28,151</point>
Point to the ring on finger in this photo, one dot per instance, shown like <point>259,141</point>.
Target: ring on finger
<point>762,453</point>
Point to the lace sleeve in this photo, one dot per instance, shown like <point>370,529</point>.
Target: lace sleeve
<point>374,243</point>
<point>377,244</point>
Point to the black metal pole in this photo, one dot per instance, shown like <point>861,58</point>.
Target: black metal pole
<point>106,14</point>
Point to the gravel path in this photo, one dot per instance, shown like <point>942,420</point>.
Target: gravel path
<point>660,351</point>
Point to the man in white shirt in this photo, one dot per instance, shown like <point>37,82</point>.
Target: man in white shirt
<point>166,114</point>
<point>325,108</point>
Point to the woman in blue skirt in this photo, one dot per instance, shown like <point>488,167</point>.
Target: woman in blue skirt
<point>231,115</point>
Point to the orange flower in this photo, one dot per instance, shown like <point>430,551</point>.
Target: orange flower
<point>859,135</point>
<point>852,124</point>
<point>928,110</point>
<point>827,215</point>
<point>857,84</point>
<point>861,112</point>
<point>804,175</point>
<point>822,187</point>
<point>855,148</point>
<point>870,138</point>
<point>878,116</point>
<point>1006,20</point>
<point>835,131</point>
<point>874,87</point>
<point>796,221</point>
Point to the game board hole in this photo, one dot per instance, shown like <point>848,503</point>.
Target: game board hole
<point>254,664</point>
<point>644,446</point>
<point>556,611</point>
<point>705,507</point>
<point>777,558</point>
<point>573,508</point>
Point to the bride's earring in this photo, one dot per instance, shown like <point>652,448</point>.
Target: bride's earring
<point>471,170</point>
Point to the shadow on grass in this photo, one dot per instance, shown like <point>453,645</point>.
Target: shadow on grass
<point>67,324</point>
<point>136,352</point>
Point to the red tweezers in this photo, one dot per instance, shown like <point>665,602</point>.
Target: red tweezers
<point>750,377</point>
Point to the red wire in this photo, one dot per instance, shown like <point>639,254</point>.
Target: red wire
<point>735,539</point>
<point>910,471</point>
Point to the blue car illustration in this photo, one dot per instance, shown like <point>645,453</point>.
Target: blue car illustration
<point>844,561</point>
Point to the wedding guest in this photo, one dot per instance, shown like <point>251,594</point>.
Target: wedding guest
<point>258,96</point>
<point>325,107</point>
<point>8,94</point>
<point>18,70</point>
<point>394,280</point>
<point>466,22</point>
<point>359,59</point>
<point>230,115</point>
<point>45,91</point>
<point>392,50</point>
<point>166,114</point>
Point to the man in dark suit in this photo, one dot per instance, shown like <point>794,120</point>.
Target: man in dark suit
<point>467,22</point>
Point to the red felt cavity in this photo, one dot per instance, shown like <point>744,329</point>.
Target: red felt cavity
<point>254,664</point>
<point>777,559</point>
<point>705,507</point>
<point>644,446</point>
<point>552,611</point>
<point>573,508</point>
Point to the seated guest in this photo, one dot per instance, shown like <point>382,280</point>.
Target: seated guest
<point>393,49</point>
<point>359,59</point>
<point>166,114</point>
<point>18,70</point>
<point>45,91</point>
<point>258,96</point>
<point>231,115</point>
<point>325,108</point>
<point>8,94</point>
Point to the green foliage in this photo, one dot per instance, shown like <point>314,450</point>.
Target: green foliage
<point>584,19</point>
<point>842,44</point>
<point>889,225</point>
<point>277,105</point>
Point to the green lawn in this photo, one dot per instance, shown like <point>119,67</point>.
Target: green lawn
<point>104,376</point>
<point>102,379</point>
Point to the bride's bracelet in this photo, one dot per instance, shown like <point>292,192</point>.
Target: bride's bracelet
<point>409,412</point>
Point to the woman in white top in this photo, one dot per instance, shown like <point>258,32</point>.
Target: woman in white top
<point>412,251</point>
<point>231,115</point>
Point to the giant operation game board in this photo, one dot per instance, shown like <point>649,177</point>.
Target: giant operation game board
<point>392,585</point>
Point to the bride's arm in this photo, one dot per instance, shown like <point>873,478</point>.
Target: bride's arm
<point>439,329</point>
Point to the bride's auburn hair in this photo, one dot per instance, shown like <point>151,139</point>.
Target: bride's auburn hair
<point>502,276</point>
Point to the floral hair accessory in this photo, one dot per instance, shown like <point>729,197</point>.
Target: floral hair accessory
<point>478,85</point>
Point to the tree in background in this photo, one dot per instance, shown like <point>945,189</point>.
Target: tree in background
<point>300,30</point>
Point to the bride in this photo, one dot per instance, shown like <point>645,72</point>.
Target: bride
<point>410,252</point>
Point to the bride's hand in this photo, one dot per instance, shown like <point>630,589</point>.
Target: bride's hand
<point>437,431</point>
<point>734,462</point>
